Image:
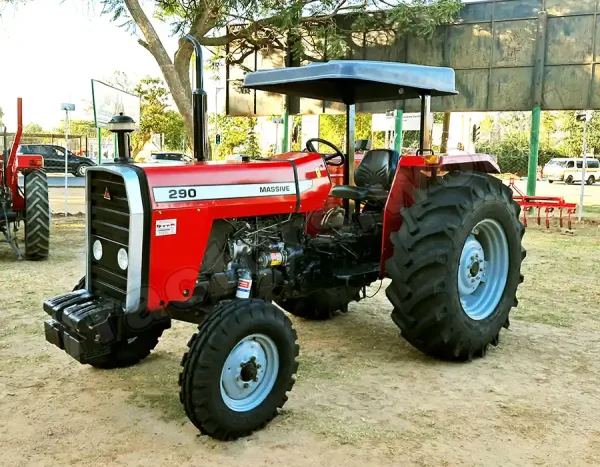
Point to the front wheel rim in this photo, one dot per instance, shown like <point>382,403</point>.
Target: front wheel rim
<point>249,373</point>
<point>81,171</point>
<point>483,269</point>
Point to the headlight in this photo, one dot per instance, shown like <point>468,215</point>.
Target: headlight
<point>97,250</point>
<point>123,259</point>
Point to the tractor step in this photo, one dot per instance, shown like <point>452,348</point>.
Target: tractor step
<point>359,275</point>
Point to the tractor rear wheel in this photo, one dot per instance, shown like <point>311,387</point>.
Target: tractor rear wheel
<point>240,365</point>
<point>456,266</point>
<point>321,305</point>
<point>37,216</point>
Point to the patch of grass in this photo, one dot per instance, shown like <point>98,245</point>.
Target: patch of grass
<point>166,402</point>
<point>561,271</point>
<point>351,430</point>
<point>591,209</point>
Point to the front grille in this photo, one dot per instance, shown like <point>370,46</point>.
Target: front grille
<point>108,222</point>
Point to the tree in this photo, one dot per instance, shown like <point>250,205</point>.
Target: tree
<point>234,133</point>
<point>252,146</point>
<point>155,116</point>
<point>32,129</point>
<point>1,115</point>
<point>312,28</point>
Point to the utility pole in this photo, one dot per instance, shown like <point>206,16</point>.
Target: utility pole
<point>583,117</point>
<point>67,108</point>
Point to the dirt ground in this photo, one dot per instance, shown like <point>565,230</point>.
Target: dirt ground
<point>363,395</point>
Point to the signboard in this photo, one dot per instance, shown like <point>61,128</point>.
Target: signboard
<point>109,101</point>
<point>508,55</point>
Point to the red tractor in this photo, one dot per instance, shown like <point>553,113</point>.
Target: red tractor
<point>29,205</point>
<point>222,244</point>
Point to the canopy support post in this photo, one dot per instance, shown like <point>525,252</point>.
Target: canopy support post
<point>426,124</point>
<point>349,165</point>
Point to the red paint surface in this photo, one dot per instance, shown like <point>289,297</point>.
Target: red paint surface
<point>175,259</point>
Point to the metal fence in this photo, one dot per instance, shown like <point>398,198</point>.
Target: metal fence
<point>77,143</point>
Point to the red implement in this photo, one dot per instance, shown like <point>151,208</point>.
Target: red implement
<point>548,204</point>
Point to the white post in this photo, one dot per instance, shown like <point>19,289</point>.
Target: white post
<point>588,116</point>
<point>66,163</point>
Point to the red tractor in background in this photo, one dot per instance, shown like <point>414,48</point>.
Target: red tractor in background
<point>29,205</point>
<point>220,243</point>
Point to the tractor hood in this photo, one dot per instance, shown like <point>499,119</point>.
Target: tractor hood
<point>287,183</point>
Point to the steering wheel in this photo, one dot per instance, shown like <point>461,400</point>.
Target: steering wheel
<point>328,158</point>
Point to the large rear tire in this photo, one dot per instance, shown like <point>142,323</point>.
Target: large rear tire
<point>456,266</point>
<point>241,364</point>
<point>321,305</point>
<point>37,216</point>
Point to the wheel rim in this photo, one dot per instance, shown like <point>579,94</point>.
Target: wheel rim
<point>483,269</point>
<point>249,373</point>
<point>81,170</point>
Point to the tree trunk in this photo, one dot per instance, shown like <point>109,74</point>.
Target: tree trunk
<point>176,76</point>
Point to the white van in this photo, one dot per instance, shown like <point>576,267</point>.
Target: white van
<point>569,170</point>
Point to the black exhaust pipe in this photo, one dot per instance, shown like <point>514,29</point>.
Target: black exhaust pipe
<point>201,147</point>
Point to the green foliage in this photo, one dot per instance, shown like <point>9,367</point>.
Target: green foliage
<point>312,27</point>
<point>234,133</point>
<point>156,117</point>
<point>252,146</point>
<point>297,144</point>
<point>572,143</point>
<point>333,128</point>
<point>561,135</point>
<point>33,129</point>
<point>512,152</point>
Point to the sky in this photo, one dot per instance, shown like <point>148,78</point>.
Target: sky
<point>50,51</point>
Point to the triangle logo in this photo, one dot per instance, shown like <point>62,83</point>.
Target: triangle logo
<point>107,194</point>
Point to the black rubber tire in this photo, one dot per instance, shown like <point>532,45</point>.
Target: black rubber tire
<point>569,180</point>
<point>80,170</point>
<point>550,181</point>
<point>321,305</point>
<point>591,180</point>
<point>37,216</point>
<point>200,380</point>
<point>427,251</point>
<point>130,351</point>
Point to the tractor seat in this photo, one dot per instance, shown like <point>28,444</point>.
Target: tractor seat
<point>373,177</point>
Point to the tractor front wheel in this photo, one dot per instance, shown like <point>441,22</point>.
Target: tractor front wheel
<point>321,305</point>
<point>240,365</point>
<point>456,266</point>
<point>37,216</point>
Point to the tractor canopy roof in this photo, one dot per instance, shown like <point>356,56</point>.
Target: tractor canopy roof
<point>355,81</point>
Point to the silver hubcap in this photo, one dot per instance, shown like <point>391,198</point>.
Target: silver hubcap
<point>249,373</point>
<point>483,269</point>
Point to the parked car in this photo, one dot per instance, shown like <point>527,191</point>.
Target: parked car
<point>54,158</point>
<point>569,170</point>
<point>168,157</point>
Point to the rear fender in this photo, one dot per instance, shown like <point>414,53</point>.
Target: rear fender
<point>30,161</point>
<point>413,173</point>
